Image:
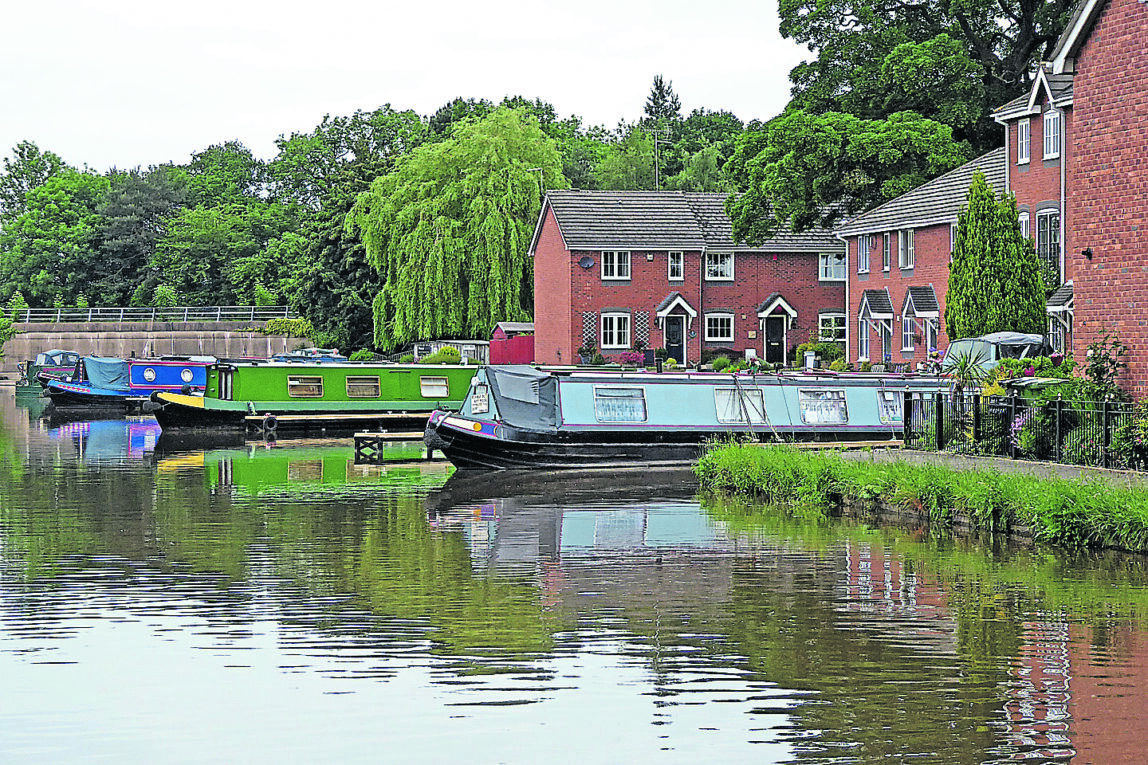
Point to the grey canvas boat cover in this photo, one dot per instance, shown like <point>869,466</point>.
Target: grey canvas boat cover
<point>106,373</point>
<point>526,397</point>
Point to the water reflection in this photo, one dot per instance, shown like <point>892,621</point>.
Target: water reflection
<point>176,600</point>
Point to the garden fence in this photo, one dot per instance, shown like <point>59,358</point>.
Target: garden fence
<point>1010,426</point>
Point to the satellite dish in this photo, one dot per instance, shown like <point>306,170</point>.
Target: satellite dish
<point>586,261</point>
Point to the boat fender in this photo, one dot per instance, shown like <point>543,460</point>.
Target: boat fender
<point>269,425</point>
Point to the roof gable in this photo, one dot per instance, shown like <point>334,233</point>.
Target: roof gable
<point>1075,35</point>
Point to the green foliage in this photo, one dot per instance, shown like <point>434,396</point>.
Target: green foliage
<point>803,170</point>
<point>363,354</point>
<point>450,227</point>
<point>1071,513</point>
<point>27,169</point>
<point>662,103</point>
<point>994,283</point>
<point>407,358</point>
<point>16,303</point>
<point>829,352</point>
<point>289,327</point>
<point>7,332</point>
<point>447,354</point>
<point>720,363</point>
<point>1043,366</point>
<point>264,296</point>
<point>628,164</point>
<point>164,296</point>
<point>838,365</point>
<point>1104,360</point>
<point>598,359</point>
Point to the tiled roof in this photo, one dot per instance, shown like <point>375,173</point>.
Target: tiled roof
<point>924,301</point>
<point>662,220</point>
<point>878,301</point>
<point>933,203</point>
<point>1061,299</point>
<point>668,301</point>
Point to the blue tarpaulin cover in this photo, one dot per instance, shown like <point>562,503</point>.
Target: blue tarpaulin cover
<point>106,373</point>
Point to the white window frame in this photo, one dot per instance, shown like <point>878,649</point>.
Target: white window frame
<point>886,251</point>
<point>1052,232</point>
<point>908,336</point>
<point>862,340</point>
<point>714,266</point>
<point>434,387</point>
<point>363,386</point>
<point>619,330</point>
<point>864,247</point>
<point>612,265</point>
<point>831,328</point>
<point>1052,127</point>
<point>831,270</point>
<point>906,249</point>
<point>305,386</point>
<point>680,258</point>
<point>1023,221</point>
<point>1023,141</point>
<point>712,338</point>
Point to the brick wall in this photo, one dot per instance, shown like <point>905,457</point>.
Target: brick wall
<point>930,268</point>
<point>553,329</point>
<point>1108,186</point>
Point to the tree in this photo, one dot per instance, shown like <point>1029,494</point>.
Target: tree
<point>627,164</point>
<point>223,174</point>
<point>951,62</point>
<point>994,280</point>
<point>459,110</point>
<point>808,170</point>
<point>28,168</point>
<point>450,227</point>
<point>48,251</point>
<point>662,105</point>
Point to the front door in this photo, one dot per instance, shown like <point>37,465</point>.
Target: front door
<point>676,338</point>
<point>775,339</point>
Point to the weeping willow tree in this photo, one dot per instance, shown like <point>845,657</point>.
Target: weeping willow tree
<point>449,230</point>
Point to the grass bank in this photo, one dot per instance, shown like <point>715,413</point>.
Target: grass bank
<point>1072,513</point>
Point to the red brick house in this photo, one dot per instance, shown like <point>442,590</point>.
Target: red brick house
<point>898,266</point>
<point>1076,157</point>
<point>619,270</point>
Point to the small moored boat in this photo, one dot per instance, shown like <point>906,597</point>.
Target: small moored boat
<point>102,382</point>
<point>519,416</point>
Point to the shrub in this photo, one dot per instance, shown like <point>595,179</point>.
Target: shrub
<point>709,354</point>
<point>838,365</point>
<point>631,358</point>
<point>289,327</point>
<point>407,358</point>
<point>444,355</point>
<point>661,353</point>
<point>363,354</point>
<point>829,352</point>
<point>1082,446</point>
<point>720,363</point>
<point>598,359</point>
<point>670,364</point>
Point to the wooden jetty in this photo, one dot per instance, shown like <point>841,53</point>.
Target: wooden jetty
<point>369,446</point>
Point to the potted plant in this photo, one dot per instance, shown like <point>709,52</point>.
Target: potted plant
<point>648,357</point>
<point>586,353</point>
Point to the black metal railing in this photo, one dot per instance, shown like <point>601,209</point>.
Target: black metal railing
<point>1010,426</point>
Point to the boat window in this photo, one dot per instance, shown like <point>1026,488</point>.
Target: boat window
<point>740,405</point>
<point>889,406</point>
<point>361,386</point>
<point>434,387</point>
<point>479,399</point>
<point>225,384</point>
<point>304,386</point>
<point>620,404</point>
<point>823,407</point>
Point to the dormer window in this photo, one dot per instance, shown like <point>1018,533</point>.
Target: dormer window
<point>1023,133</point>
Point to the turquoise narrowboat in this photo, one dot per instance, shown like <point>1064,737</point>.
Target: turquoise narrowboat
<point>518,416</point>
<point>48,365</point>
<point>298,395</point>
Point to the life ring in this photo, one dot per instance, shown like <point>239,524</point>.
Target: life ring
<point>269,426</point>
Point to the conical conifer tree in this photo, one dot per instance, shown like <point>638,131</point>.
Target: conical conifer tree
<point>994,279</point>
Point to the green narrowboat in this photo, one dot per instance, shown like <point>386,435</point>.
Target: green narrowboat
<point>273,396</point>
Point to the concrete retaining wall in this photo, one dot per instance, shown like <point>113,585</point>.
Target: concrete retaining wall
<point>122,340</point>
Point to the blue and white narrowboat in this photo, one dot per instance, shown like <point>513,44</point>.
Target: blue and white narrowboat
<point>519,416</point>
<point>100,381</point>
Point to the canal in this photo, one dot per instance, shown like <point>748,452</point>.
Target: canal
<point>243,602</point>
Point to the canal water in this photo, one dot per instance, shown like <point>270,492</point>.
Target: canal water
<point>244,602</point>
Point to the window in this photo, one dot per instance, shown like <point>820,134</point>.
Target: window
<point>832,266</point>
<point>952,241</point>
<point>620,404</point>
<point>615,330</point>
<point>677,267</point>
<point>1022,219</point>
<point>864,245</point>
<point>886,250</point>
<point>889,406</point>
<point>931,334</point>
<point>1023,130</point>
<point>615,265</point>
<point>719,326</point>
<point>831,328</point>
<point>1048,240</point>
<point>479,399</point>
<point>740,405</point>
<point>906,252</point>
<point>823,407</point>
<point>908,330</point>
<point>434,387</point>
<point>719,266</point>
<point>362,387</point>
<point>862,339</point>
<point>304,386</point>
<point>1051,134</point>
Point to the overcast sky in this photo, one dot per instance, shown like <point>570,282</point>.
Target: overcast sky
<point>130,83</point>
